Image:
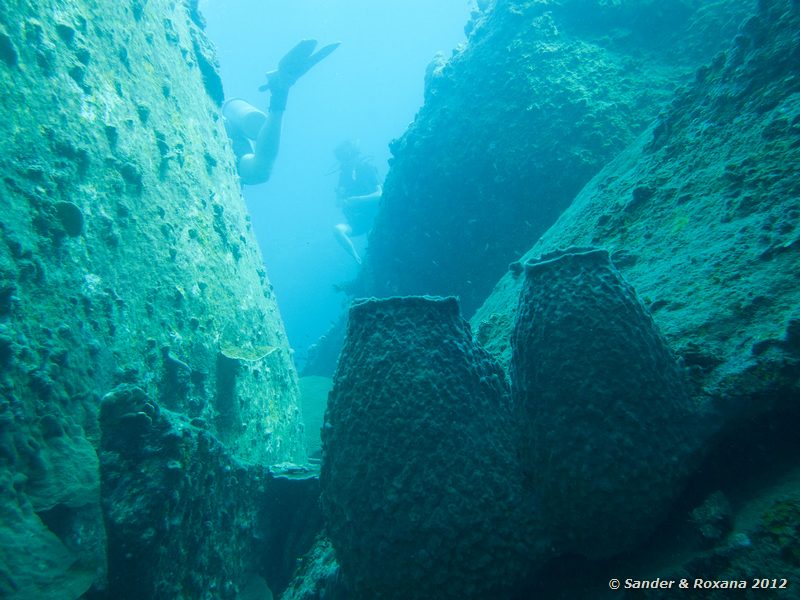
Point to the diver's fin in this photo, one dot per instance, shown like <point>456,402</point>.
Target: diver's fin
<point>298,56</point>
<point>296,63</point>
<point>321,54</point>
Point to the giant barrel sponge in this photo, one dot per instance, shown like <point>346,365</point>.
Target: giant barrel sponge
<point>604,413</point>
<point>420,477</point>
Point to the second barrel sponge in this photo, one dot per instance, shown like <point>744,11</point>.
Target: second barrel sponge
<point>606,420</point>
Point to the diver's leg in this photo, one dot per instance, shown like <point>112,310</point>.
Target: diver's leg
<point>342,234</point>
<point>256,167</point>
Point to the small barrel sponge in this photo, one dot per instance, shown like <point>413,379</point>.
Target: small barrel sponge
<point>420,479</point>
<point>601,402</point>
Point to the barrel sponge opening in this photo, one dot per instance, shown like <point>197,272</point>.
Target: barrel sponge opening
<point>607,428</point>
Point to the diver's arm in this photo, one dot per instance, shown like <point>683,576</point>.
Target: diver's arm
<point>376,195</point>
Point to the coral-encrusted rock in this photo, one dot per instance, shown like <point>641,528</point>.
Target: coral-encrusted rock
<point>185,518</point>
<point>602,403</point>
<point>126,256</point>
<point>515,123</point>
<point>420,483</point>
<point>180,512</point>
<point>317,575</point>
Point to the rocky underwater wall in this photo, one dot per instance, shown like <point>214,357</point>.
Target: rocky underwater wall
<point>515,123</point>
<point>128,272</point>
<point>700,214</point>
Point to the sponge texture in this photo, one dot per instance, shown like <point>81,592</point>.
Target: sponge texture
<point>601,402</point>
<point>420,474</point>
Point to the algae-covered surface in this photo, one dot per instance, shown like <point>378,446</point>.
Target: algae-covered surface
<point>126,257</point>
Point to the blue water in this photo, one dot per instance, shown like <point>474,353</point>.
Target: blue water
<point>368,90</point>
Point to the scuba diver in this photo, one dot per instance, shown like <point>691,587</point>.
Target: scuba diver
<point>358,194</point>
<point>256,136</point>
